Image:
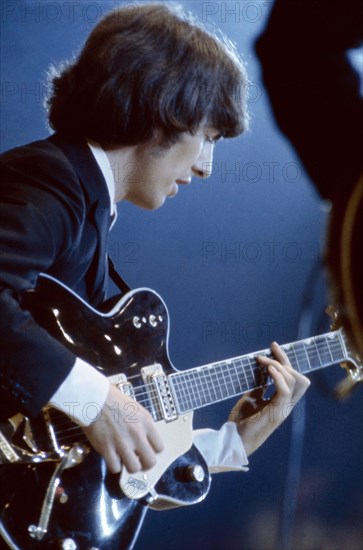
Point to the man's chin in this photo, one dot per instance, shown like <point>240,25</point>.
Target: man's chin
<point>154,205</point>
<point>154,202</point>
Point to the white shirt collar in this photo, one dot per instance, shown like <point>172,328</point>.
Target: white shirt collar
<point>106,169</point>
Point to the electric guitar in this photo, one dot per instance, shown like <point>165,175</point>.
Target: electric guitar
<point>62,495</point>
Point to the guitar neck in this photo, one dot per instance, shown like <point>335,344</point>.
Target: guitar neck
<point>215,382</point>
<point>218,381</point>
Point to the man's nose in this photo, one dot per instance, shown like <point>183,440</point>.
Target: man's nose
<point>203,166</point>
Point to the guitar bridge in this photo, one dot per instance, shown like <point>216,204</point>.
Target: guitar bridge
<point>160,393</point>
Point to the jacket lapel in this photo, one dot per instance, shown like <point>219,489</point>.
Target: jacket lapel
<point>97,197</point>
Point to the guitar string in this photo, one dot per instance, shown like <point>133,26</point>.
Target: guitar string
<point>330,347</point>
<point>302,354</point>
<point>199,370</point>
<point>193,401</point>
<point>145,392</point>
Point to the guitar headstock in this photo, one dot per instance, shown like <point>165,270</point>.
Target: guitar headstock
<point>354,364</point>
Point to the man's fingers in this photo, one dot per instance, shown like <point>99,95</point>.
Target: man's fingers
<point>146,455</point>
<point>302,384</point>
<point>284,382</point>
<point>152,432</point>
<point>289,383</point>
<point>139,448</point>
<point>155,441</point>
<point>123,437</point>
<point>142,458</point>
<point>131,460</point>
<point>113,461</point>
<point>281,370</point>
<point>280,355</point>
<point>290,386</point>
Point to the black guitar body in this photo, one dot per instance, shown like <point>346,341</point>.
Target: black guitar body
<point>89,506</point>
<point>132,341</point>
<point>95,514</point>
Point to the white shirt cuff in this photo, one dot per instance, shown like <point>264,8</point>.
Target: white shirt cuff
<point>222,449</point>
<point>82,394</point>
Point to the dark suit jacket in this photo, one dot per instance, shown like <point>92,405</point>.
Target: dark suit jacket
<point>55,217</point>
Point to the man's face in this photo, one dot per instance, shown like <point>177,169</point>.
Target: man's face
<point>155,172</point>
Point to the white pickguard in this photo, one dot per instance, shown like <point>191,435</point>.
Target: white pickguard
<point>178,438</point>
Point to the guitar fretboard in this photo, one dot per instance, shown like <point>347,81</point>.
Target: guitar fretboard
<point>215,382</point>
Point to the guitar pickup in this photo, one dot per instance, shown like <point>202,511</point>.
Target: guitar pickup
<point>121,382</point>
<point>160,393</point>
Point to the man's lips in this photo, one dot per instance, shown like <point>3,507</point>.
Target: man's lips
<point>185,181</point>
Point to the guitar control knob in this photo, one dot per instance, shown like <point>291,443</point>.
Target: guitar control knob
<point>194,473</point>
<point>67,544</point>
<point>137,322</point>
<point>152,320</point>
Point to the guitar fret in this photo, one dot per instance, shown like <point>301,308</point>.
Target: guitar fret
<point>304,361</point>
<point>213,383</point>
<point>207,388</point>
<point>218,381</point>
<point>328,348</point>
<point>239,375</point>
<point>237,379</point>
<point>252,372</point>
<point>215,386</point>
<point>324,352</point>
<point>312,354</point>
<point>228,376</point>
<point>317,351</point>
<point>336,356</point>
<point>324,349</point>
<point>224,380</point>
<point>227,385</point>
<point>200,388</point>
<point>218,385</point>
<point>245,377</point>
<point>311,357</point>
<point>228,373</point>
<point>180,390</point>
<point>291,354</point>
<point>193,396</point>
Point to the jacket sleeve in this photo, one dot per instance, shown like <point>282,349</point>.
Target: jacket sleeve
<point>314,91</point>
<point>41,209</point>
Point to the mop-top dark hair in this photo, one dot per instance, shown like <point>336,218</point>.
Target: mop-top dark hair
<point>144,69</point>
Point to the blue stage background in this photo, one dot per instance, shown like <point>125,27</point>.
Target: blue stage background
<point>237,259</point>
